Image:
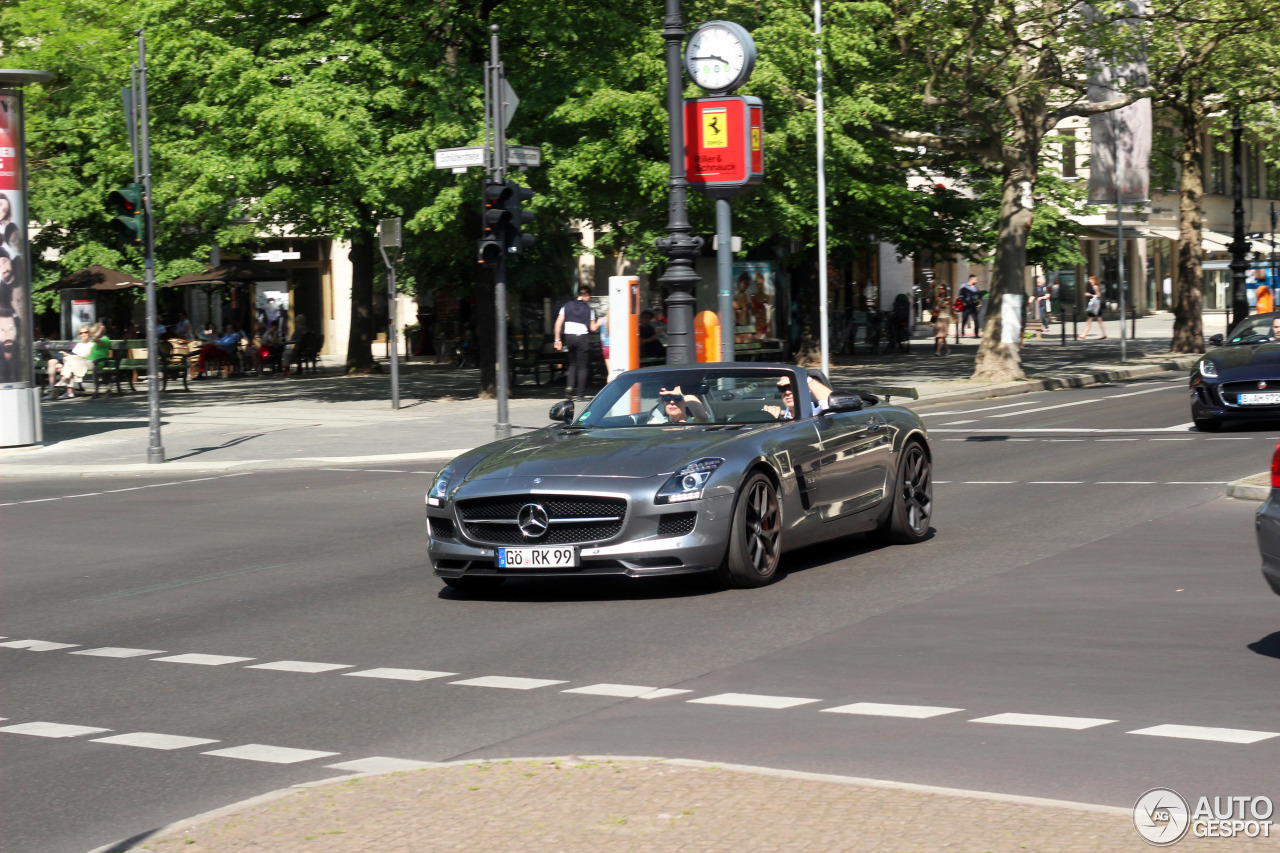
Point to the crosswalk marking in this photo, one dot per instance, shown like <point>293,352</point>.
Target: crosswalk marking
<point>880,709</point>
<point>1045,721</point>
<point>299,666</point>
<point>622,691</point>
<point>118,652</point>
<point>753,700</point>
<point>152,740</point>
<point>400,674</point>
<point>203,660</point>
<point>42,729</point>
<point>1206,733</point>
<point>509,683</point>
<point>269,754</point>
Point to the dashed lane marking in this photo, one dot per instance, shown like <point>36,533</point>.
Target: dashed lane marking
<point>1145,391</point>
<point>152,740</point>
<point>1126,482</point>
<point>959,423</point>
<point>300,666</point>
<point>51,730</point>
<point>508,683</point>
<point>753,700</point>
<point>1045,721</point>
<point>1206,733</point>
<point>973,411</point>
<point>269,754</point>
<point>1055,482</point>
<point>625,691</point>
<point>118,652</point>
<point>400,674</point>
<point>1076,404</point>
<point>128,489</point>
<point>203,660</point>
<point>880,709</point>
<point>37,645</point>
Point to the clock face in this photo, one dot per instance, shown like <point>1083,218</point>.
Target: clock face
<point>719,56</point>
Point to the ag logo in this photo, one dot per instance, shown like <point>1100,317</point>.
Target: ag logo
<point>1161,816</point>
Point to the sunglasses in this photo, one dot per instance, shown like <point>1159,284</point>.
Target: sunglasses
<point>668,399</point>
<point>785,389</point>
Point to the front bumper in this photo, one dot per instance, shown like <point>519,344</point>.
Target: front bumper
<point>639,549</point>
<point>1210,402</point>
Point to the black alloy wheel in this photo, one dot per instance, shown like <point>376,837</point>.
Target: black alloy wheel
<point>912,509</point>
<point>755,539</point>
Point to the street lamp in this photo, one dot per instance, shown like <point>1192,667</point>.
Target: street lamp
<point>680,245</point>
<point>1239,247</point>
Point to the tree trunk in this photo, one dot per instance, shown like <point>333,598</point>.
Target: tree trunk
<point>998,359</point>
<point>1188,302</point>
<point>360,339</point>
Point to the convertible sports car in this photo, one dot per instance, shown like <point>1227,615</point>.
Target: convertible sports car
<point>670,470</point>
<point>1241,378</point>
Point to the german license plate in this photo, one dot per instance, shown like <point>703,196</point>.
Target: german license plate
<point>1259,399</point>
<point>537,558</point>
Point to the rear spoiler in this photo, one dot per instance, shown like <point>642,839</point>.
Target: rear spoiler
<point>887,391</point>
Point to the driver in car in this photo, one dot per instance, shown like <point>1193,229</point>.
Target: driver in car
<point>1275,329</point>
<point>818,396</point>
<point>677,407</point>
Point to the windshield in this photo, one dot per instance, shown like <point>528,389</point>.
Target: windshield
<point>1259,329</point>
<point>693,397</point>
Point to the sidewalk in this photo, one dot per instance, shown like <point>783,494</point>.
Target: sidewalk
<point>288,422</point>
<point>567,804</point>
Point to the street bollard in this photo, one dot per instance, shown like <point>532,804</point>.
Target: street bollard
<point>1062,326</point>
<point>1133,325</point>
<point>1075,318</point>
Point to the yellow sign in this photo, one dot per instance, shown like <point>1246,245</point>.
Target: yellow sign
<point>715,128</point>
<point>755,139</point>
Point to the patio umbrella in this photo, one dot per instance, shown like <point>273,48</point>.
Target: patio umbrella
<point>231,272</point>
<point>96,278</point>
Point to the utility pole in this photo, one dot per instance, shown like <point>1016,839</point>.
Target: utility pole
<point>389,238</point>
<point>496,139</point>
<point>1239,247</point>
<point>155,450</point>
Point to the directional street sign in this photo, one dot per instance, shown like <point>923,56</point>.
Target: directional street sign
<point>509,102</point>
<point>459,158</point>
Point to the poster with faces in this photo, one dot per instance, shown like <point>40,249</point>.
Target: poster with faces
<point>15,316</point>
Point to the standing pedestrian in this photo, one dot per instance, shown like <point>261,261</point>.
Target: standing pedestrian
<point>576,320</point>
<point>941,328</point>
<point>1042,296</point>
<point>1093,308</point>
<point>969,305</point>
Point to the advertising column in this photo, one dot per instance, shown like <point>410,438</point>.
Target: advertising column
<point>19,397</point>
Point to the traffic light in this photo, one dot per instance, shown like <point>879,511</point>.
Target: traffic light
<point>493,234</point>
<point>129,222</point>
<point>517,241</point>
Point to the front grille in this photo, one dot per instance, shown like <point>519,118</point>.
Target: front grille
<point>1230,392</point>
<point>440,528</point>
<point>573,520</point>
<point>677,524</point>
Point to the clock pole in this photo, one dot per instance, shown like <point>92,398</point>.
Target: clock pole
<point>681,247</point>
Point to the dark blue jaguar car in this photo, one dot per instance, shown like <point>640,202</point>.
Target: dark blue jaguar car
<point>1239,379</point>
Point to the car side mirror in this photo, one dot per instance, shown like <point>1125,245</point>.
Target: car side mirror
<point>1216,340</point>
<point>562,411</point>
<point>844,402</point>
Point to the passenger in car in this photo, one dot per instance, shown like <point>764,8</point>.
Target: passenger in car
<point>677,407</point>
<point>818,396</point>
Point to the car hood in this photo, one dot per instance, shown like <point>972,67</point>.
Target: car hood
<point>625,452</point>
<point>1244,362</point>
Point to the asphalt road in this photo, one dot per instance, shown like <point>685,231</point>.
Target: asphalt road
<point>1085,570</point>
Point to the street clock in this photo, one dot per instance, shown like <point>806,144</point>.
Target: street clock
<point>720,56</point>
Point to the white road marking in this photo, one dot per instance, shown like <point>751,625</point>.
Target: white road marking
<point>1043,721</point>
<point>1045,409</point>
<point>40,500</point>
<point>958,423</point>
<point>508,683</point>
<point>118,652</point>
<point>663,693</point>
<point>400,674</point>
<point>1196,482</point>
<point>1117,439</point>
<point>269,754</point>
<point>623,691</point>
<point>379,764</point>
<point>990,482</point>
<point>753,700</point>
<point>984,409</point>
<point>1063,439</point>
<point>85,495</point>
<point>1232,438</point>
<point>1136,393</point>
<point>1055,482</point>
<point>151,740</point>
<point>37,645</point>
<point>52,730</point>
<point>1126,482</point>
<point>1174,439</point>
<point>880,709</point>
<point>300,666</point>
<point>203,660</point>
<point>1188,425</point>
<point>1205,733</point>
<point>383,471</point>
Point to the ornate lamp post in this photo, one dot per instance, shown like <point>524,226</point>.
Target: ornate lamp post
<point>681,247</point>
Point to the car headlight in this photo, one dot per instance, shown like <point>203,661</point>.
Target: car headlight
<point>439,491</point>
<point>1208,369</point>
<point>686,484</point>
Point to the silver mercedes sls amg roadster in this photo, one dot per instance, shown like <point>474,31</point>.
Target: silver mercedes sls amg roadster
<point>669,470</point>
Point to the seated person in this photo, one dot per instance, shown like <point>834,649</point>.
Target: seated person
<point>224,348</point>
<point>677,407</point>
<point>818,396</point>
<point>68,368</point>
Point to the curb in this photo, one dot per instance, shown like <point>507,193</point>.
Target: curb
<point>130,843</point>
<point>1059,381</point>
<point>1254,488</point>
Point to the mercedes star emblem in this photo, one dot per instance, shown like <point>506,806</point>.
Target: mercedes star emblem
<point>532,521</point>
